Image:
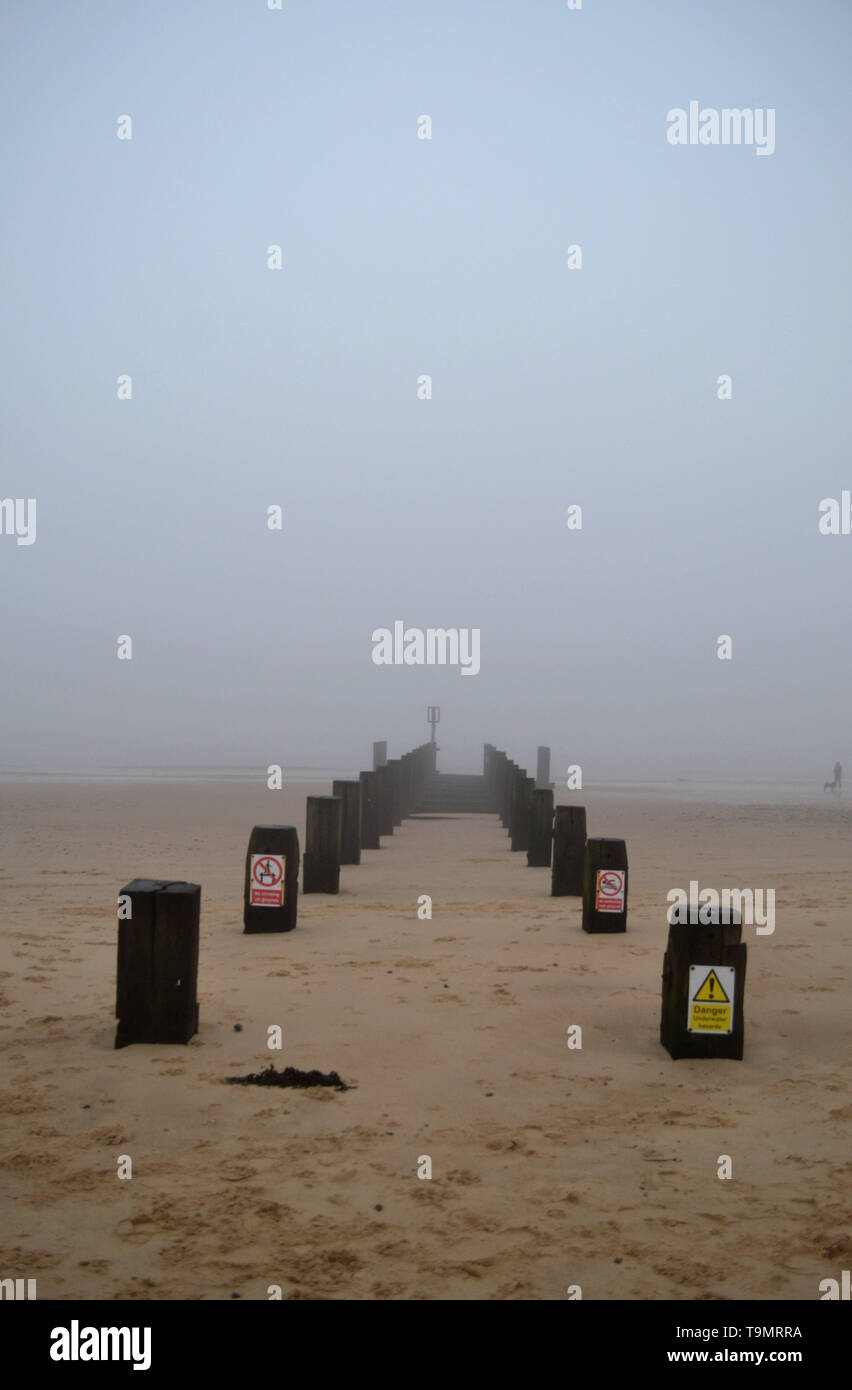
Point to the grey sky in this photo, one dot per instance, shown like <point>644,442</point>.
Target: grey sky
<point>551,387</point>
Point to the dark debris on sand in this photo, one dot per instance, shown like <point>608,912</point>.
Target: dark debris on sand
<point>290,1076</point>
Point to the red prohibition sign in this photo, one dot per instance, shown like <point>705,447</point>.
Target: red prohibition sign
<point>609,886</point>
<point>271,871</point>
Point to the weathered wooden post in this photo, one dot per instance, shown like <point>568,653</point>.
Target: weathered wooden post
<point>541,829</point>
<point>423,771</point>
<point>396,785</point>
<point>487,750</point>
<point>385,805</point>
<point>380,754</point>
<point>350,820</point>
<point>493,761</point>
<point>410,774</point>
<point>520,828</point>
<point>498,775</point>
<point>428,763</point>
<point>271,879</point>
<point>370,810</point>
<point>413,781</point>
<point>502,784</point>
<point>542,768</point>
<point>157,974</point>
<point>405,785</point>
<point>509,770</point>
<point>488,755</point>
<point>321,870</point>
<point>514,802</point>
<point>489,763</point>
<point>569,852</point>
<point>605,886</point>
<point>703,991</point>
<point>386,799</point>
<point>509,793</point>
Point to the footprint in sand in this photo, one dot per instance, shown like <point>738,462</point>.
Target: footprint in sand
<point>137,1229</point>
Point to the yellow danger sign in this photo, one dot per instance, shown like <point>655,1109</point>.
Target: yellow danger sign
<point>711,999</point>
<point>711,992</point>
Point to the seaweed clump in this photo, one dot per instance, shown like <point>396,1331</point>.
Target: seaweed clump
<point>290,1076</point>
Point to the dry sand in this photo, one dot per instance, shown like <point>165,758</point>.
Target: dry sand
<point>551,1167</point>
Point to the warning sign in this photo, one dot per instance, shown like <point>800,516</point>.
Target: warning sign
<point>267,880</point>
<point>609,890</point>
<point>711,999</point>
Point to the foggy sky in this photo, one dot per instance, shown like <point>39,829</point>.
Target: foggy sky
<point>551,387</point>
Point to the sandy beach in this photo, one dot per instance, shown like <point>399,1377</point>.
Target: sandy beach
<point>551,1167</point>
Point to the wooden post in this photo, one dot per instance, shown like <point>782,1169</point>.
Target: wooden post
<point>407,775</point>
<point>605,886</point>
<point>426,758</point>
<point>514,773</point>
<point>490,758</point>
<point>541,829</point>
<point>370,793</point>
<point>350,823</point>
<point>321,870</point>
<point>703,990</point>
<point>509,770</point>
<point>385,799</point>
<point>569,852</point>
<point>520,828</point>
<point>542,769</point>
<point>414,781</point>
<point>498,779</point>
<point>396,789</point>
<point>271,879</point>
<point>422,775</point>
<point>157,975</point>
<point>501,782</point>
<point>380,754</point>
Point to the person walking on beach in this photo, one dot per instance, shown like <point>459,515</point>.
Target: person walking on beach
<point>838,773</point>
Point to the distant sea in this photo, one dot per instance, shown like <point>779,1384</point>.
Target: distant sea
<point>682,789</point>
<point>176,774</point>
<point>745,793</point>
